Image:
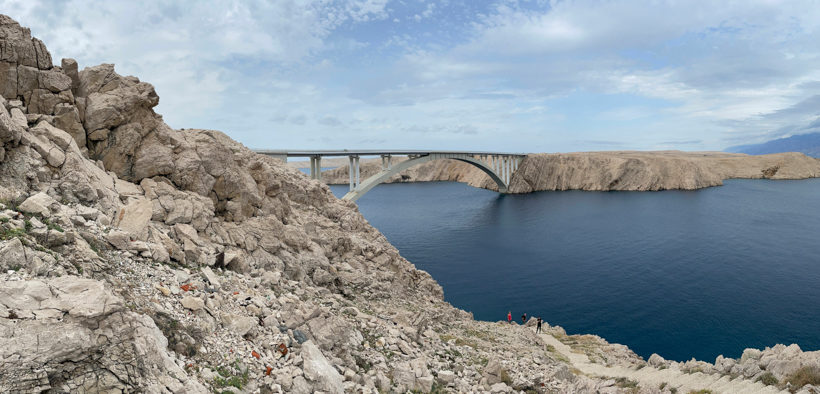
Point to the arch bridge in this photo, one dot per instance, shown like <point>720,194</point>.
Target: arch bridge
<point>499,166</point>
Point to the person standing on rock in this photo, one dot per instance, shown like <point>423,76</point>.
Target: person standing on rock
<point>509,317</point>
<point>538,326</point>
<point>524,318</point>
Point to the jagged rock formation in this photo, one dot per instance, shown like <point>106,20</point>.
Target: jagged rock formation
<point>603,171</point>
<point>138,258</point>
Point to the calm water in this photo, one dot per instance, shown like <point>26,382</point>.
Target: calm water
<point>680,273</point>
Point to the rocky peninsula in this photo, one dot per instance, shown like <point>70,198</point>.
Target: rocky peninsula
<point>139,258</point>
<point>604,171</point>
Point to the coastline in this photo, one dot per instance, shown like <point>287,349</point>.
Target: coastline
<point>608,171</point>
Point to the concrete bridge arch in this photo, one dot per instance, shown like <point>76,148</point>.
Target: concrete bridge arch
<point>498,166</point>
<point>389,171</point>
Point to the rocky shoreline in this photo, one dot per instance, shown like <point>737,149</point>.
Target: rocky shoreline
<point>606,171</point>
<point>138,258</point>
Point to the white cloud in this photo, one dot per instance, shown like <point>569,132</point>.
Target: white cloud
<point>329,73</point>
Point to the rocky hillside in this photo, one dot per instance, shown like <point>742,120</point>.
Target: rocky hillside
<point>138,258</point>
<point>808,144</point>
<point>602,171</point>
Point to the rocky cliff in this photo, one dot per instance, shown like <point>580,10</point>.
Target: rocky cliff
<point>138,258</point>
<point>602,171</point>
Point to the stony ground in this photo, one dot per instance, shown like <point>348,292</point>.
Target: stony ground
<point>138,258</point>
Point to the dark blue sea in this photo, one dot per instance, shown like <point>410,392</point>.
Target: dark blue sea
<point>679,273</point>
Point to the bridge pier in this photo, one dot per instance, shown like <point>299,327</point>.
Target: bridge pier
<point>316,167</point>
<point>353,171</point>
<point>387,162</point>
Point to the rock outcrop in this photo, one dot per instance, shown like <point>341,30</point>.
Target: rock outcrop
<point>69,334</point>
<point>604,171</point>
<point>138,258</point>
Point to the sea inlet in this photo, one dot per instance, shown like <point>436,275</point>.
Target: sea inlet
<point>679,273</point>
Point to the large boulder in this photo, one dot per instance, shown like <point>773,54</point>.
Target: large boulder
<point>134,217</point>
<point>70,334</point>
<point>319,371</point>
<point>12,254</point>
<point>39,203</point>
<point>10,128</point>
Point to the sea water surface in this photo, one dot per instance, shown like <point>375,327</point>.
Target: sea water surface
<point>679,273</point>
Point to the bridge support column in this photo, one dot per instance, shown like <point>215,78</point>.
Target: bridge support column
<point>508,173</point>
<point>358,171</point>
<point>316,167</point>
<point>387,162</point>
<point>353,172</point>
<point>507,170</point>
<point>350,172</point>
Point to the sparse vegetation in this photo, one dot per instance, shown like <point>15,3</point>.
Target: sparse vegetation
<point>768,379</point>
<point>626,383</point>
<point>557,354</point>
<point>704,391</point>
<point>505,377</point>
<point>233,376</point>
<point>51,225</point>
<point>6,234</point>
<point>802,377</point>
<point>363,364</point>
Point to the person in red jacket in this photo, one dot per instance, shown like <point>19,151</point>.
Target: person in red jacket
<point>509,317</point>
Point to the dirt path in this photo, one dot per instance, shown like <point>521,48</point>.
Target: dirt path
<point>649,376</point>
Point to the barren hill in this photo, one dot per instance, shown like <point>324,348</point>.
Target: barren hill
<point>617,170</point>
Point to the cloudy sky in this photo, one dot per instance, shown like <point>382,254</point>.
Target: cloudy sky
<point>524,76</point>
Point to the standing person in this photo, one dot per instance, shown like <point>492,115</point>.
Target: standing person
<point>538,326</point>
<point>509,317</point>
<point>524,318</point>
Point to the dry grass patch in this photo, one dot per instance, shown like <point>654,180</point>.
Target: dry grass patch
<point>802,377</point>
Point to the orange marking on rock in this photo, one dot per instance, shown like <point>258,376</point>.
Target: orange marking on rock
<point>255,354</point>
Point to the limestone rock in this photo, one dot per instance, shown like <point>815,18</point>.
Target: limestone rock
<point>319,370</point>
<point>446,377</point>
<point>750,354</point>
<point>57,328</point>
<point>59,137</point>
<point>134,218</point>
<point>656,360</point>
<point>241,325</point>
<point>70,69</point>
<point>8,79</point>
<point>193,303</point>
<point>39,203</point>
<point>20,48</point>
<point>46,149</point>
<point>12,254</point>
<point>54,81</point>
<point>494,371</point>
<point>67,117</point>
<point>10,128</point>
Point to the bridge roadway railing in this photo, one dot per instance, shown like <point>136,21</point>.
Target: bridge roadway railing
<point>498,166</point>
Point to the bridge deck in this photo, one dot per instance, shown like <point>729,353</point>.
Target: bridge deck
<point>371,152</point>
